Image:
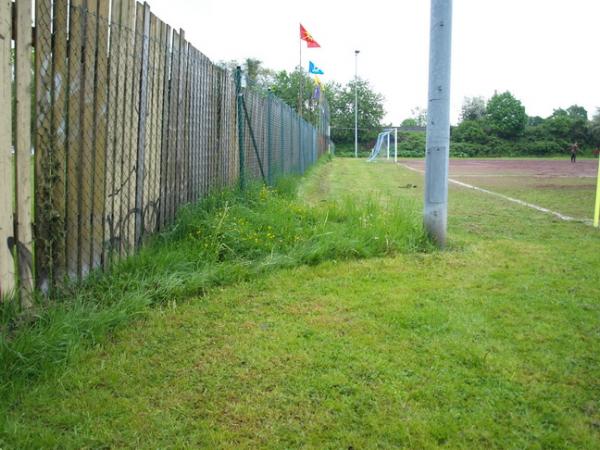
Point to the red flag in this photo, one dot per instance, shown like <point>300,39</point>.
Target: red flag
<point>306,36</point>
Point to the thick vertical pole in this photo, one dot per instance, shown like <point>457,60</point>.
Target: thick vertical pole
<point>240,123</point>
<point>270,138</point>
<point>438,122</point>
<point>356,52</point>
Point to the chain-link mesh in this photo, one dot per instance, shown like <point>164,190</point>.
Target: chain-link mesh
<point>131,123</point>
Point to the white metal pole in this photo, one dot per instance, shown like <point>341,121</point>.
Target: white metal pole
<point>438,122</point>
<point>388,146</point>
<point>395,145</point>
<point>356,52</point>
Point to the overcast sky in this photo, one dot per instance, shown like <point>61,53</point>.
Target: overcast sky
<point>544,51</point>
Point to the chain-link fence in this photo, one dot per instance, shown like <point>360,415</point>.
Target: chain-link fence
<point>131,122</point>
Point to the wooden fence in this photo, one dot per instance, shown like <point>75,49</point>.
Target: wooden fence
<point>125,122</point>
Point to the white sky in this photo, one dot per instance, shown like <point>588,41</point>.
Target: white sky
<point>544,51</point>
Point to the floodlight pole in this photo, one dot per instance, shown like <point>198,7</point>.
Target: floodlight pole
<point>356,52</point>
<point>438,122</point>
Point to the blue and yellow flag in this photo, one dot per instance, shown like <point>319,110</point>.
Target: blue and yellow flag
<point>312,68</point>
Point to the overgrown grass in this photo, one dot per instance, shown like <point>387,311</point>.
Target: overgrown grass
<point>228,237</point>
<point>490,344</point>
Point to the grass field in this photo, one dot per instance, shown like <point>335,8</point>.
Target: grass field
<point>556,184</point>
<point>492,343</point>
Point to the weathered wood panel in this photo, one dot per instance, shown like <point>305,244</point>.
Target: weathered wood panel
<point>87,136</point>
<point>100,122</point>
<point>7,263</point>
<point>112,135</point>
<point>24,191</point>
<point>56,226</point>
<point>76,36</point>
<point>143,19</point>
<point>124,228</point>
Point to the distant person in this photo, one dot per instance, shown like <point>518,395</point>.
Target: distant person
<point>574,149</point>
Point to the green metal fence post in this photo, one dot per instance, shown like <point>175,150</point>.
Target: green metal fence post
<point>281,140</point>
<point>269,139</point>
<point>300,130</point>
<point>240,124</point>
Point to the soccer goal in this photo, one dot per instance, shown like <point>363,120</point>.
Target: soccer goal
<point>383,141</point>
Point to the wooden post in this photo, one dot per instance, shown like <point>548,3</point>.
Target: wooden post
<point>112,125</point>
<point>164,147</point>
<point>74,138</point>
<point>87,135</point>
<point>24,191</point>
<point>143,114</point>
<point>59,145</point>
<point>43,143</point>
<point>7,264</point>
<point>100,121</point>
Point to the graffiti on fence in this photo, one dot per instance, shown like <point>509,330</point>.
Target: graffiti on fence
<point>118,238</point>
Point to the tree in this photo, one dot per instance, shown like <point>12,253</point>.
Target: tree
<point>577,112</point>
<point>286,86</point>
<point>341,107</point>
<point>420,116</point>
<point>410,122</point>
<point>594,129</point>
<point>257,75</point>
<point>570,125</point>
<point>506,115</point>
<point>473,108</point>
<point>470,131</point>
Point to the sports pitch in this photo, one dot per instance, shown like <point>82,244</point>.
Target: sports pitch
<point>556,184</point>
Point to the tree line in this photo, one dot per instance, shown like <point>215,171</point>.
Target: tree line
<point>499,126</point>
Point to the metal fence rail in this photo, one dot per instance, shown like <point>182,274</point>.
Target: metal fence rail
<point>129,122</point>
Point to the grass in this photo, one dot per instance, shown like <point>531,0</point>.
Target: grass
<point>492,343</point>
<point>568,195</point>
<point>227,238</point>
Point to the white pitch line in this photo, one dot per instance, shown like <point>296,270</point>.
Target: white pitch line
<point>510,199</point>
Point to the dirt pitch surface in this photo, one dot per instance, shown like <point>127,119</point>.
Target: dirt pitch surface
<point>555,184</point>
<point>544,168</point>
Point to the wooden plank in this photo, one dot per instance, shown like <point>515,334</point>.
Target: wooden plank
<point>197,129</point>
<point>76,34</point>
<point>87,134</point>
<point>192,123</point>
<point>203,126</point>
<point>143,115</point>
<point>56,228</point>
<point>128,227</point>
<point>164,147</point>
<point>185,178</point>
<point>129,130</point>
<point>173,126</point>
<point>159,83</point>
<point>100,121</point>
<point>7,263</point>
<point>117,100</point>
<point>152,128</point>
<point>43,140</point>
<point>181,123</point>
<point>113,102</point>
<point>24,191</point>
